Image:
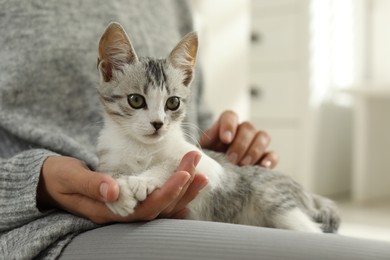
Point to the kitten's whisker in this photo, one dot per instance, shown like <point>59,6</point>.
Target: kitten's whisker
<point>194,126</point>
<point>188,126</point>
<point>97,125</point>
<point>190,137</point>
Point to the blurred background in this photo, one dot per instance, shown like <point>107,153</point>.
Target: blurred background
<point>314,74</point>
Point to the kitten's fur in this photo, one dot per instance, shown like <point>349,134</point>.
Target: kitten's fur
<point>142,147</point>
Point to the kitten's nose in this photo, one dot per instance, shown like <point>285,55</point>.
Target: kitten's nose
<point>157,124</point>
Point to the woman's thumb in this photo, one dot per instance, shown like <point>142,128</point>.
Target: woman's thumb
<point>97,186</point>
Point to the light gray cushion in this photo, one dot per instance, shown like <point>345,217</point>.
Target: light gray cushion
<point>184,239</point>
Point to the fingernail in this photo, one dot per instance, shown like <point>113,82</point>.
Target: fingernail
<point>228,136</point>
<point>265,140</point>
<point>103,190</point>
<point>197,159</point>
<point>185,177</point>
<point>266,163</point>
<point>233,157</point>
<point>247,160</point>
<point>181,214</point>
<point>201,184</point>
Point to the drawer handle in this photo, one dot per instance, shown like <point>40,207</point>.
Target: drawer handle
<point>255,92</point>
<point>256,37</point>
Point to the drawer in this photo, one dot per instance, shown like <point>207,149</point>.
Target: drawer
<point>277,39</point>
<point>280,94</point>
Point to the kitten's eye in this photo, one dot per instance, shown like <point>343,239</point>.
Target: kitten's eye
<point>173,103</point>
<point>136,101</point>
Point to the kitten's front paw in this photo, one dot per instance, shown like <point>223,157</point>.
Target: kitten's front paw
<point>132,189</point>
<point>126,202</point>
<point>141,187</point>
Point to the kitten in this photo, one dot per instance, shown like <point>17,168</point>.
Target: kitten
<point>142,142</point>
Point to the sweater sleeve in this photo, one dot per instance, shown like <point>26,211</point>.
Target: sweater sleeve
<point>19,177</point>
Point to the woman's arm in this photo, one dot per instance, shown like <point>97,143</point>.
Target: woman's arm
<point>19,177</point>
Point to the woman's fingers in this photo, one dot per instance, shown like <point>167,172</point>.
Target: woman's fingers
<point>160,199</point>
<point>228,125</point>
<point>68,184</point>
<point>221,134</point>
<point>256,149</point>
<point>242,143</point>
<point>148,209</point>
<point>245,134</point>
<point>91,209</point>
<point>269,160</point>
<point>187,195</point>
<point>94,185</point>
<point>210,137</point>
<point>191,189</point>
<point>70,176</point>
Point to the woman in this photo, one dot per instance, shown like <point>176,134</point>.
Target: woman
<point>50,118</point>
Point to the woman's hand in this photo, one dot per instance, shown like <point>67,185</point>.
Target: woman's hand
<point>67,183</point>
<point>242,143</point>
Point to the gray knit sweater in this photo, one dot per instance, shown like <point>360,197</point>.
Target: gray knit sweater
<point>48,101</point>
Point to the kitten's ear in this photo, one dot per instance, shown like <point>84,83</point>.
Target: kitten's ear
<point>183,56</point>
<point>115,50</point>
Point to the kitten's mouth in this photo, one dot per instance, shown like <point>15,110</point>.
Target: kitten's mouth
<point>154,135</point>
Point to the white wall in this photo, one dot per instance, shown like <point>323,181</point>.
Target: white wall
<point>223,28</point>
<point>333,66</point>
<point>371,136</point>
<point>379,41</point>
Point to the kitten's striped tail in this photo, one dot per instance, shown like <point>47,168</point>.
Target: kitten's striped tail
<point>327,214</point>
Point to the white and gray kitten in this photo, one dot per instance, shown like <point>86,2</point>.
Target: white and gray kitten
<point>142,142</point>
